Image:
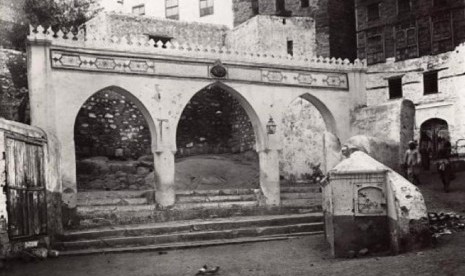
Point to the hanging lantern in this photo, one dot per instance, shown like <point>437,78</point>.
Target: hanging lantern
<point>271,126</point>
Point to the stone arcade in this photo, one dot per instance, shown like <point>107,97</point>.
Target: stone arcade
<point>162,79</point>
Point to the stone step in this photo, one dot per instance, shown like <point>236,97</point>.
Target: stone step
<point>95,195</point>
<point>303,202</point>
<point>285,196</point>
<point>113,201</point>
<point>185,245</point>
<point>214,198</point>
<point>190,226</point>
<point>98,216</point>
<point>222,192</point>
<point>189,236</point>
<point>210,205</point>
<point>301,189</point>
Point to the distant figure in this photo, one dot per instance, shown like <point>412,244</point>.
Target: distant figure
<point>444,166</point>
<point>412,160</point>
<point>445,173</point>
<point>425,151</point>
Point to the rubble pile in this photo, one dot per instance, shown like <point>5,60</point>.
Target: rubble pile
<point>445,223</point>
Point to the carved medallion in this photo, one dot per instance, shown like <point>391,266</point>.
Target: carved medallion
<point>218,70</point>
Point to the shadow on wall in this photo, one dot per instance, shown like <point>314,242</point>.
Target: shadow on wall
<point>214,122</point>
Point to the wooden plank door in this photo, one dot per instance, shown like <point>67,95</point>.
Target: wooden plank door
<point>26,202</point>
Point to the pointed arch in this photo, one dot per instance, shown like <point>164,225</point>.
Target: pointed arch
<point>121,91</point>
<point>259,130</point>
<point>328,117</point>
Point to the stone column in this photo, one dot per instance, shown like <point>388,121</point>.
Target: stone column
<point>164,178</point>
<point>269,172</point>
<point>269,176</point>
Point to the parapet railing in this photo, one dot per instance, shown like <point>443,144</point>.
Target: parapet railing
<point>141,44</point>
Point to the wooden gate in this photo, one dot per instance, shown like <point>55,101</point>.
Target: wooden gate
<point>25,187</point>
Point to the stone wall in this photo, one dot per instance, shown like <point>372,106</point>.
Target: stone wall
<point>448,104</point>
<point>271,34</point>
<point>110,125</point>
<point>243,10</point>
<point>342,36</point>
<point>243,136</point>
<point>302,141</point>
<point>13,86</point>
<point>334,22</point>
<point>12,15</point>
<point>392,123</point>
<point>214,122</point>
<point>111,24</point>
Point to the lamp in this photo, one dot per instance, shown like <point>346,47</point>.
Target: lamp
<point>271,126</point>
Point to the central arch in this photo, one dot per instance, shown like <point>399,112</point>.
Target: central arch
<point>261,142</point>
<point>218,135</point>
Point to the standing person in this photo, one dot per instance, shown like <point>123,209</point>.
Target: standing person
<point>412,160</point>
<point>425,152</point>
<point>444,166</point>
<point>445,173</point>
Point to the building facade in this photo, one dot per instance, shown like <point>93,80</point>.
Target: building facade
<point>414,50</point>
<point>336,37</point>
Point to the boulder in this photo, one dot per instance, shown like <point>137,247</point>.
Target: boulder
<point>97,184</point>
<point>146,158</point>
<point>124,166</point>
<point>143,170</point>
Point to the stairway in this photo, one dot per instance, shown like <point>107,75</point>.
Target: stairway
<point>129,221</point>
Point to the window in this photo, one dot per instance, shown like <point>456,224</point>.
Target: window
<point>139,9</point>
<point>406,40</point>
<point>430,83</point>
<point>172,9</point>
<point>403,6</point>
<point>290,47</point>
<point>395,87</point>
<point>373,12</point>
<point>304,3</point>
<point>442,33</point>
<point>206,7</point>
<point>375,46</point>
<point>280,5</point>
<point>439,3</point>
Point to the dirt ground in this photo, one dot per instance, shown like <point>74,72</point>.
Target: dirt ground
<point>222,171</point>
<point>300,256</point>
<point>436,199</point>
